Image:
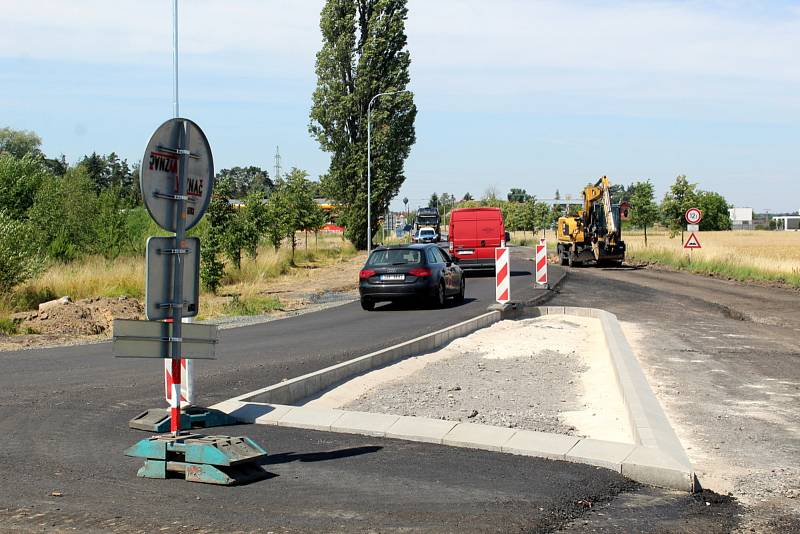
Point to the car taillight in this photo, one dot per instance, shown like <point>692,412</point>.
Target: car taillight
<point>420,271</point>
<point>451,246</point>
<point>366,273</point>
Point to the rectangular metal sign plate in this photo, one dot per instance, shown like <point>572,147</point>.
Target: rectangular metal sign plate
<point>152,339</point>
<point>692,227</point>
<point>158,284</point>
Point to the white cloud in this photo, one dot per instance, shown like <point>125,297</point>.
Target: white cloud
<point>702,57</point>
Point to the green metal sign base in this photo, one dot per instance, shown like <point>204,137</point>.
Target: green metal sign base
<point>222,460</point>
<point>158,419</point>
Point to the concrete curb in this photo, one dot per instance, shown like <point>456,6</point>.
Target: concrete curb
<point>656,458</point>
<point>659,458</point>
<point>301,387</point>
<point>642,464</point>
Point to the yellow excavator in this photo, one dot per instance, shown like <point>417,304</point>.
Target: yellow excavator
<point>595,233</point>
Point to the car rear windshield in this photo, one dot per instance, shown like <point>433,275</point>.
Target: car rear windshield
<point>397,256</point>
<point>426,232</point>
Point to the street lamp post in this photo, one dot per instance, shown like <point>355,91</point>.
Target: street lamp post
<point>369,164</point>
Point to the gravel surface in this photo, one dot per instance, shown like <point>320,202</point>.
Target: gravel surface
<point>521,374</point>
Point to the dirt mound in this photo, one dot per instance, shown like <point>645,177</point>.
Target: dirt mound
<point>92,316</point>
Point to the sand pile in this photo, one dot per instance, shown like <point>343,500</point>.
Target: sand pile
<point>84,317</point>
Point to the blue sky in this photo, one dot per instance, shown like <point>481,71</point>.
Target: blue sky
<point>539,95</point>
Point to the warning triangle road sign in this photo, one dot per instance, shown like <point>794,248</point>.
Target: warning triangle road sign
<point>692,242</point>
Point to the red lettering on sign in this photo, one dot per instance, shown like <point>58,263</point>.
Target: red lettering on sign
<point>159,161</point>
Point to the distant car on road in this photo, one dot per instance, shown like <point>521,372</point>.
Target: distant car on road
<point>425,235</point>
<point>421,272</point>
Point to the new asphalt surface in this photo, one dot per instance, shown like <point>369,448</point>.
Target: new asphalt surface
<point>63,430</point>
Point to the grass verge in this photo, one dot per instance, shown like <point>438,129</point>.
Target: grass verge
<point>731,267</point>
<point>124,276</point>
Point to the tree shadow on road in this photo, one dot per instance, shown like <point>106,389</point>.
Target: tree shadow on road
<point>322,456</point>
<point>411,304</point>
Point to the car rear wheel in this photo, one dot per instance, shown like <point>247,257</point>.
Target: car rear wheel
<point>367,304</point>
<point>462,291</point>
<point>439,296</point>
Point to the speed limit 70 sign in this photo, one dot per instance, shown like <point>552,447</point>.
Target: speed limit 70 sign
<point>693,216</point>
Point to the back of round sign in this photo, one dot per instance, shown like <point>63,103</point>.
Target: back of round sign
<point>159,174</point>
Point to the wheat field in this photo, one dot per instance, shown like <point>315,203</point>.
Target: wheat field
<point>745,255</point>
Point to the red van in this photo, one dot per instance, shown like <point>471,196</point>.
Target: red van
<point>474,234</point>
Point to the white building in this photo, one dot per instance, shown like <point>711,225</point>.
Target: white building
<point>787,222</point>
<point>741,218</point>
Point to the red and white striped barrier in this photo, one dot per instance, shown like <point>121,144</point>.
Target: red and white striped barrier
<point>185,382</point>
<point>541,263</point>
<point>502,275</point>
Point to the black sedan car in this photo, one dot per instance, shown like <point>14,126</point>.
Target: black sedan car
<point>420,271</point>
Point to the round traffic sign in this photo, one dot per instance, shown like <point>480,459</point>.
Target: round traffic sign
<point>158,177</point>
<point>693,216</point>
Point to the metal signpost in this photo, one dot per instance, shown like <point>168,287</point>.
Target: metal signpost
<point>693,216</point>
<point>177,178</point>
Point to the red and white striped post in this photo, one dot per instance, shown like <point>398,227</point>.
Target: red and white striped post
<point>186,385</point>
<point>541,264</point>
<point>502,275</point>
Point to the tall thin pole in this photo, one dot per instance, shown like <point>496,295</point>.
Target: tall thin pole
<point>369,175</point>
<point>175,57</point>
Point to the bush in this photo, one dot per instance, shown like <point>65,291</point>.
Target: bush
<point>29,298</point>
<point>20,178</point>
<point>65,210</point>
<point>251,305</point>
<point>8,326</point>
<point>19,259</point>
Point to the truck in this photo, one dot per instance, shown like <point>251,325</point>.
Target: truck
<point>594,234</point>
<point>473,235</point>
<point>428,218</point>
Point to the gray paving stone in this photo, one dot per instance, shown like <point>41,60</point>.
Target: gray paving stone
<point>655,467</point>
<point>475,436</point>
<point>541,444</point>
<point>312,418</point>
<point>420,429</point>
<point>608,454</point>
<point>370,424</point>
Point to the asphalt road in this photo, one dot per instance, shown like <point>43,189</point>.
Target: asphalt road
<point>63,427</point>
<point>723,359</point>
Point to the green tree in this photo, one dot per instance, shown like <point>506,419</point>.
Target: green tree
<point>64,210</point>
<point>363,54</point>
<point>19,143</point>
<point>301,211</point>
<point>97,169</point>
<point>433,202</point>
<point>644,210</point>
<point>110,230</point>
<point>246,180</point>
<point>467,197</point>
<point>19,260</point>
<point>681,196</point>
<point>20,179</point>
<point>212,268</point>
<point>256,222</point>
<point>518,195</point>
<point>618,193</point>
<point>715,211</point>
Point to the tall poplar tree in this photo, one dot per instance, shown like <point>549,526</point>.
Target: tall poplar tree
<point>363,54</point>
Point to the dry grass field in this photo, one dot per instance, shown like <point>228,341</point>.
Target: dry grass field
<point>749,255</point>
<point>746,255</point>
<point>97,277</point>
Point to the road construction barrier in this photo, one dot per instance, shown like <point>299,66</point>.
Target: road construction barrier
<point>502,275</point>
<point>541,263</point>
